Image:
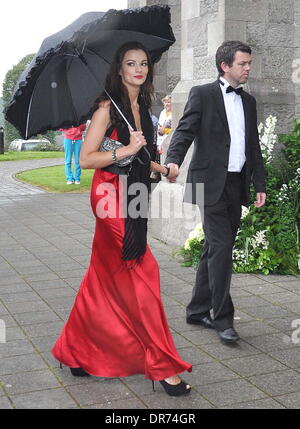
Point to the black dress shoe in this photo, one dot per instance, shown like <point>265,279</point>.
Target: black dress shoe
<point>205,321</point>
<point>228,335</point>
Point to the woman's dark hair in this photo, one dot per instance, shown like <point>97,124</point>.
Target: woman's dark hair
<point>118,91</point>
<point>227,51</point>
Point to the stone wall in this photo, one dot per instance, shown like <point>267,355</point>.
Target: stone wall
<point>167,70</point>
<point>270,27</point>
<point>296,59</point>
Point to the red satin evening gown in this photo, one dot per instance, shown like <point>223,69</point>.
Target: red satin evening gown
<point>117,326</point>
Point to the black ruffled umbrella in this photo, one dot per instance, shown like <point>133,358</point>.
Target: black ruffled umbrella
<point>64,79</point>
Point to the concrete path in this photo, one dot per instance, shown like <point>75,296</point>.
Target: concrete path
<point>45,244</point>
<point>10,186</point>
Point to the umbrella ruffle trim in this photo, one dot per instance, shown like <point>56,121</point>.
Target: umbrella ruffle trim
<point>136,20</point>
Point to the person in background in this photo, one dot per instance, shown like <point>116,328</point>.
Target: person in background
<point>164,122</point>
<point>221,119</point>
<point>117,326</point>
<point>155,176</point>
<point>155,127</point>
<point>72,145</point>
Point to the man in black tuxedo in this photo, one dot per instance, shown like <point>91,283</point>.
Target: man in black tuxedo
<point>221,119</point>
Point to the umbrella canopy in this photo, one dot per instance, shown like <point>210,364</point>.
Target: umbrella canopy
<point>61,84</point>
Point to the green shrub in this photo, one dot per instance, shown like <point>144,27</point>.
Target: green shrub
<point>49,147</point>
<point>292,146</point>
<point>268,238</point>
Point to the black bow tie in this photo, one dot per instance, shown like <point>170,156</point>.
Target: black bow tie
<point>238,91</point>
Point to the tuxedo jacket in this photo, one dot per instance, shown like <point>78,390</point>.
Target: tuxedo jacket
<point>205,122</point>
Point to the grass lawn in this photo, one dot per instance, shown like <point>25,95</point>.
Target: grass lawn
<point>53,179</point>
<point>16,156</point>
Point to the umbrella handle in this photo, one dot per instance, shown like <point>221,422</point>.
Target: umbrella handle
<point>130,128</point>
<point>118,109</point>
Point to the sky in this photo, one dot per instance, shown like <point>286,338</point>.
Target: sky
<point>25,23</point>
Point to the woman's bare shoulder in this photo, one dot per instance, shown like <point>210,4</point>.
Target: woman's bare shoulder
<point>103,111</point>
<point>101,118</point>
<point>104,104</point>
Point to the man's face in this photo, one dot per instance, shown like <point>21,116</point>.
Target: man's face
<point>239,71</point>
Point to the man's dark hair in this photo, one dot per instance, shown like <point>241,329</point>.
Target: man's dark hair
<point>227,51</point>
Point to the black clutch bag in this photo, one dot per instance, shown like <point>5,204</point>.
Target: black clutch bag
<point>110,144</point>
<point>122,166</point>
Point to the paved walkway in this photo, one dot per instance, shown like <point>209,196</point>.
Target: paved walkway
<point>10,186</point>
<point>45,243</point>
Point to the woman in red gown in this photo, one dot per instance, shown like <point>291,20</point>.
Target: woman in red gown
<point>117,326</point>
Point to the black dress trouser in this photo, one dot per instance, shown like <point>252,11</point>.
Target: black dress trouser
<point>220,226</point>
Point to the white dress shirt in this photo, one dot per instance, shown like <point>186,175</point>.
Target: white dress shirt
<point>236,122</point>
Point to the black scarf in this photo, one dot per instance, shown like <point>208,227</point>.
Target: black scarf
<point>135,237</point>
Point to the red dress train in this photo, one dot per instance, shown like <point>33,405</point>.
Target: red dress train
<point>117,326</point>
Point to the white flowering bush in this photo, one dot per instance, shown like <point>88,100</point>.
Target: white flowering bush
<point>197,234</point>
<point>251,251</point>
<point>288,192</point>
<point>193,246</point>
<point>267,138</point>
<point>245,212</point>
<point>288,206</point>
<point>255,256</point>
<point>268,237</point>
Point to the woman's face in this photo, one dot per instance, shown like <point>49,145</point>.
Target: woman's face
<point>134,68</point>
<point>168,105</point>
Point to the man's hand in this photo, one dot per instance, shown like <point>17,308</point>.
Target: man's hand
<point>260,199</point>
<point>174,172</point>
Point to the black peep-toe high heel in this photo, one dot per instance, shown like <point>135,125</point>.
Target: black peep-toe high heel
<point>179,389</point>
<point>77,372</point>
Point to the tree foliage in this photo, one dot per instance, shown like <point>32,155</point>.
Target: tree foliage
<point>11,78</point>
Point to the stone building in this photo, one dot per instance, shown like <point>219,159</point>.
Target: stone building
<point>270,27</point>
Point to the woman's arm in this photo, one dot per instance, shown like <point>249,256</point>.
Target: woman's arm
<point>90,157</point>
<point>158,168</point>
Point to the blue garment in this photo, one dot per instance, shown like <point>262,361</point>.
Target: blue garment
<point>72,146</point>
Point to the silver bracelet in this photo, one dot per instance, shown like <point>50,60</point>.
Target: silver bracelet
<point>114,155</point>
